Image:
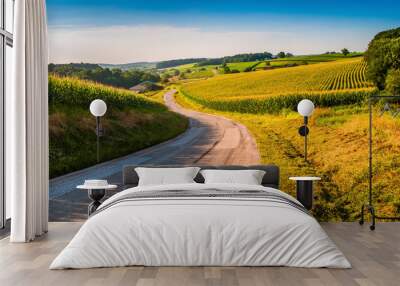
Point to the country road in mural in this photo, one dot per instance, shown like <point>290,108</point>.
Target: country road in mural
<point>209,139</point>
<point>220,142</point>
<point>186,85</point>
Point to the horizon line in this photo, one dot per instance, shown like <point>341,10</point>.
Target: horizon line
<point>187,58</point>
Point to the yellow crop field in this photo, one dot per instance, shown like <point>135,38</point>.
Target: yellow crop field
<point>338,152</point>
<point>345,75</point>
<point>328,84</point>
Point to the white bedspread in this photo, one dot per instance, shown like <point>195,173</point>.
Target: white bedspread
<point>200,231</point>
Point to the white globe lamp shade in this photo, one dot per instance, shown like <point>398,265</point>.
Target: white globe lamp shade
<point>98,107</point>
<point>305,107</point>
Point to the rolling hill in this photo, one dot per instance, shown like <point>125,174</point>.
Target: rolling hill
<point>330,83</point>
<point>132,122</point>
<point>265,102</point>
<point>129,66</point>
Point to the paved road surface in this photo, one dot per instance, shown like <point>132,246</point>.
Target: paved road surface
<point>209,140</point>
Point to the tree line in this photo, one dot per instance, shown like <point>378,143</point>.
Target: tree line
<point>383,58</point>
<point>248,57</point>
<point>251,57</point>
<point>113,77</point>
<point>178,62</point>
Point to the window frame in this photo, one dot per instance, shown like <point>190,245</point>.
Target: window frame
<point>6,39</point>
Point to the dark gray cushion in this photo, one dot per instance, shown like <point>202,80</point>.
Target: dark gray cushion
<point>270,179</point>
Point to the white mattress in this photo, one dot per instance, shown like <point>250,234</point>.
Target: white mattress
<point>200,232</point>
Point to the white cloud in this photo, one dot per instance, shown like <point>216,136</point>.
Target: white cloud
<point>122,44</point>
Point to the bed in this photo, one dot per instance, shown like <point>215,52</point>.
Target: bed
<point>201,224</point>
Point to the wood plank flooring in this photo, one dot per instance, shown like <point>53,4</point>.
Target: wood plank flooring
<point>375,257</point>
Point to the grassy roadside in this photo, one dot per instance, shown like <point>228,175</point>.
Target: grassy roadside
<point>338,154</point>
<point>131,123</point>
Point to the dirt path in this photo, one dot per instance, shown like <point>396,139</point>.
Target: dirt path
<point>219,140</point>
<point>209,140</point>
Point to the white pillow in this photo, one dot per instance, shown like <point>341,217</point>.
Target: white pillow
<point>166,176</point>
<point>248,177</point>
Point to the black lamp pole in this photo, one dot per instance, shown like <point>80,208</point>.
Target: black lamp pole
<point>98,108</point>
<point>305,137</point>
<point>303,131</point>
<point>98,137</point>
<point>305,108</point>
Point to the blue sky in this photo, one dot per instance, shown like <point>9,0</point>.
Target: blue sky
<point>210,28</point>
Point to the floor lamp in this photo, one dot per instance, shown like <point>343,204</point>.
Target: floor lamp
<point>305,108</point>
<point>369,205</point>
<point>98,108</point>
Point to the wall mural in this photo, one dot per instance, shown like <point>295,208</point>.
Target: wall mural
<point>219,83</point>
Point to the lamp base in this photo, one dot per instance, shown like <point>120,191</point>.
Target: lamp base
<point>373,216</point>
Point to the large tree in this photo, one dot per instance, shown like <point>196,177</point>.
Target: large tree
<point>345,52</point>
<point>281,55</point>
<point>383,54</point>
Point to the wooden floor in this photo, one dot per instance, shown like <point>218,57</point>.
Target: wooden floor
<point>375,257</point>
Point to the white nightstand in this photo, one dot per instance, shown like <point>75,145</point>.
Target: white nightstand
<point>95,193</point>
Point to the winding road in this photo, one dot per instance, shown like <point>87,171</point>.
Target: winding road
<point>209,140</point>
<point>216,140</point>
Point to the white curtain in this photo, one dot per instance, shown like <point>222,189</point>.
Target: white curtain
<point>27,124</point>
